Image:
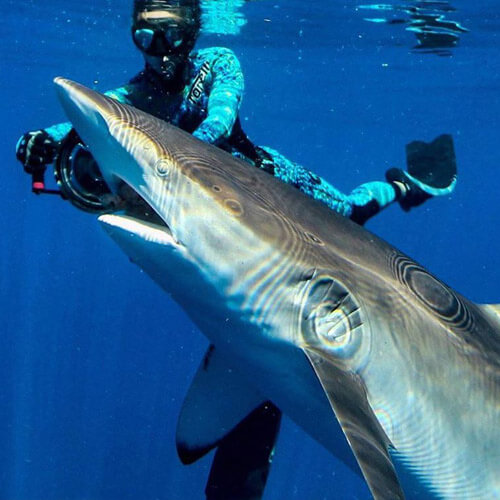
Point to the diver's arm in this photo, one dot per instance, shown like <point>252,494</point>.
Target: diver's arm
<point>60,130</point>
<point>225,97</point>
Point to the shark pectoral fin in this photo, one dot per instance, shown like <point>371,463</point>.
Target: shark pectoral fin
<point>217,401</point>
<point>222,410</point>
<point>368,441</point>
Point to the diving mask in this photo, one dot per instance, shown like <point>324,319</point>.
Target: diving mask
<point>163,31</point>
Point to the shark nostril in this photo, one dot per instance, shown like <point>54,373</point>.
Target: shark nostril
<point>162,167</point>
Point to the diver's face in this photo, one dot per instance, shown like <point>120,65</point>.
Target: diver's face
<point>165,38</point>
<point>168,66</point>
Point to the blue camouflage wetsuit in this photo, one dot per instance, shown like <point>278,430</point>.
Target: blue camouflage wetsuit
<point>208,107</point>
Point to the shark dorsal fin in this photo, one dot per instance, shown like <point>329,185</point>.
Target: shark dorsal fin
<point>368,441</point>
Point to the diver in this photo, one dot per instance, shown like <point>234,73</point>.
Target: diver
<point>200,91</point>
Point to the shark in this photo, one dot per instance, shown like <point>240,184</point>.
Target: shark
<point>377,359</point>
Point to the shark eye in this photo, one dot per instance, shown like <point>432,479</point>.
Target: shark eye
<point>162,167</point>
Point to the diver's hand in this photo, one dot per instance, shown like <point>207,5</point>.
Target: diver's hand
<point>264,160</point>
<point>36,149</point>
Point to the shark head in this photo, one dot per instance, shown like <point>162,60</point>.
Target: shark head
<point>134,156</point>
<point>126,143</point>
<point>185,202</point>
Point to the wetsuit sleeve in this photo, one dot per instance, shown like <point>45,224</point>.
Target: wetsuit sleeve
<point>224,99</point>
<point>59,131</point>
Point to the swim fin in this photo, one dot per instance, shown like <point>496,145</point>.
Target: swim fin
<point>431,171</point>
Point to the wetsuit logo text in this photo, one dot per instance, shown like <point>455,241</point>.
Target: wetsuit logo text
<point>197,88</point>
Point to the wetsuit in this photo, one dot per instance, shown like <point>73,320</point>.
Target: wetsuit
<point>207,105</point>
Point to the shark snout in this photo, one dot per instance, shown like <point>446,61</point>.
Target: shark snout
<point>98,121</point>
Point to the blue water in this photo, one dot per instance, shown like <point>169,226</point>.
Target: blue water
<point>95,359</point>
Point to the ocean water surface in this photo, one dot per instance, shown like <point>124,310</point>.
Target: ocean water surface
<point>95,358</point>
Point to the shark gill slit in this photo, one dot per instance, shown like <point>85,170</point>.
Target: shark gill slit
<point>332,319</point>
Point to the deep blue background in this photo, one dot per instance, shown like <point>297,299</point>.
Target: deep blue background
<point>95,360</point>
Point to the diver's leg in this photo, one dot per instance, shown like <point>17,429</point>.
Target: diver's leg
<point>304,180</point>
<point>431,172</point>
<point>364,202</point>
<point>243,458</point>
<point>370,198</point>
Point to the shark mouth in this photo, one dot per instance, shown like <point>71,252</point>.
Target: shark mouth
<point>132,214</point>
<point>133,205</point>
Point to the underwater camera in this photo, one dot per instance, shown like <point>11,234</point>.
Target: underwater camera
<point>79,177</point>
